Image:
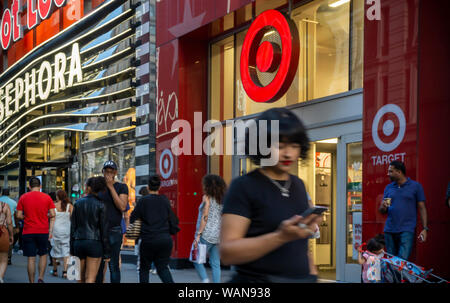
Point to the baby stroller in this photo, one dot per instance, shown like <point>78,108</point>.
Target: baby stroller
<point>397,270</point>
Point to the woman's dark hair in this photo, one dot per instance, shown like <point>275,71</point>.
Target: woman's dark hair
<point>154,183</point>
<point>214,186</point>
<point>376,243</point>
<point>399,165</point>
<point>97,184</point>
<point>290,130</point>
<point>62,196</point>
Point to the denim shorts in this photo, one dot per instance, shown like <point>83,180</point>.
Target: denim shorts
<point>87,248</point>
<point>35,244</point>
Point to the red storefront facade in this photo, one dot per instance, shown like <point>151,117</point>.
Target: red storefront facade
<point>404,109</point>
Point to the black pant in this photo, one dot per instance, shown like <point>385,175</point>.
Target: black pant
<point>157,251</point>
<point>115,242</point>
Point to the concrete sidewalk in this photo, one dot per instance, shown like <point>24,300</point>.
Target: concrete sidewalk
<point>17,273</point>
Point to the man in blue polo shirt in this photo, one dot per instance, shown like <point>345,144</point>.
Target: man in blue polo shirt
<point>406,196</point>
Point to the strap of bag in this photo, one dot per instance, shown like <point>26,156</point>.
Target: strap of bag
<point>1,212</point>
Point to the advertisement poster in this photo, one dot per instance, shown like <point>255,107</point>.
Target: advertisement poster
<point>357,233</point>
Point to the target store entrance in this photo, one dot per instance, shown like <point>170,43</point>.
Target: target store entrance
<point>326,93</point>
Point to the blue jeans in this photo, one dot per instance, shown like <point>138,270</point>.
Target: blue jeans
<point>214,261</point>
<point>399,244</point>
<point>115,241</point>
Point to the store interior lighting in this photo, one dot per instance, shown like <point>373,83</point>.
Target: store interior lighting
<point>338,3</point>
<point>333,140</point>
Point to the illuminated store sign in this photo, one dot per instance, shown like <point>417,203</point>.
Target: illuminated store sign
<point>261,57</point>
<point>49,77</point>
<point>80,80</point>
<point>37,10</point>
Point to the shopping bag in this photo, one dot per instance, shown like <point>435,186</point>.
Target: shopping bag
<point>73,270</point>
<point>198,254</point>
<point>134,230</point>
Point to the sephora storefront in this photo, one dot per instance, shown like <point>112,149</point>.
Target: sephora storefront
<point>68,92</point>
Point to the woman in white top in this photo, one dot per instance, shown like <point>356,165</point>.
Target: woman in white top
<point>208,225</point>
<point>61,232</point>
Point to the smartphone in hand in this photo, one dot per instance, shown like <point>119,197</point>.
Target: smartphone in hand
<point>316,210</point>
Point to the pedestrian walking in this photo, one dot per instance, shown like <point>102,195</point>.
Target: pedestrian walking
<point>142,192</point>
<point>158,224</point>
<point>88,231</point>
<point>370,260</point>
<point>124,225</point>
<point>208,225</point>
<point>61,232</point>
<point>12,207</point>
<point>35,208</point>
<point>401,200</point>
<point>49,243</point>
<point>6,237</point>
<point>116,200</point>
<point>262,233</point>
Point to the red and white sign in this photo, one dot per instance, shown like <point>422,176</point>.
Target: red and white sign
<point>37,10</point>
<point>267,57</point>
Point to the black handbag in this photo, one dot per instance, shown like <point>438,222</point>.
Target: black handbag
<point>173,223</point>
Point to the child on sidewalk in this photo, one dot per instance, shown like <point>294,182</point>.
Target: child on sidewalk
<point>370,259</point>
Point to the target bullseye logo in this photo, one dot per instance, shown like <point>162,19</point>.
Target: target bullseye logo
<point>261,57</point>
<point>388,127</point>
<point>166,163</point>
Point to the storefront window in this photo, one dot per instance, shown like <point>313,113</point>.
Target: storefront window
<point>330,60</point>
<point>357,46</point>
<point>222,84</point>
<point>354,200</point>
<point>93,163</point>
<point>59,146</point>
<point>10,179</point>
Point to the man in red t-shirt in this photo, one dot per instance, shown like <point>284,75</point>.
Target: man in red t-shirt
<point>35,208</point>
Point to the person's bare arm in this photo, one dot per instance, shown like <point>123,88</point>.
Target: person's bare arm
<point>204,218</point>
<point>236,249</point>
<point>51,215</point>
<point>20,215</point>
<point>424,217</point>
<point>383,207</point>
<point>119,201</point>
<point>361,259</point>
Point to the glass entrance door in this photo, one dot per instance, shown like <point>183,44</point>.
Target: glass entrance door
<point>52,178</point>
<point>349,234</point>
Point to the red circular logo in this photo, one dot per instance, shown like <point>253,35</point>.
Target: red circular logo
<point>260,57</point>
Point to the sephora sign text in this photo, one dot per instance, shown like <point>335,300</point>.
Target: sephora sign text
<point>37,10</point>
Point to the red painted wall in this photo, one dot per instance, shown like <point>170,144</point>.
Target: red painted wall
<point>193,98</point>
<point>176,18</point>
<point>182,80</point>
<point>166,113</point>
<point>433,143</point>
<point>406,64</point>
